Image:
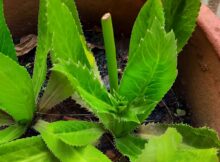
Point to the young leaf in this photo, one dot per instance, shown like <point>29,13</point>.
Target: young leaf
<point>27,149</point>
<point>71,131</point>
<point>68,41</point>
<point>58,89</point>
<point>72,49</point>
<point>152,71</point>
<point>43,48</point>
<point>16,91</point>
<point>12,132</point>
<point>90,90</point>
<point>62,138</point>
<point>6,42</point>
<point>73,9</point>
<point>130,146</point>
<point>144,21</point>
<point>181,17</point>
<point>169,147</point>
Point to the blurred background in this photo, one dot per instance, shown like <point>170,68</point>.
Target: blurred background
<point>214,5</point>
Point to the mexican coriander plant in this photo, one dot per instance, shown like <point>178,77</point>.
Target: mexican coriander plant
<point>161,30</point>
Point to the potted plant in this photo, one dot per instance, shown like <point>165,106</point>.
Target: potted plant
<point>150,72</point>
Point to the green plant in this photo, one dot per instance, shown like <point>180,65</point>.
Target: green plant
<point>149,74</point>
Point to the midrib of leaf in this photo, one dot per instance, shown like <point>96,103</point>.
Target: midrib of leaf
<point>149,9</point>
<point>154,70</point>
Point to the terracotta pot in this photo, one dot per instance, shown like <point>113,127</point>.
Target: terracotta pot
<point>199,74</point>
<point>199,71</point>
<point>21,15</point>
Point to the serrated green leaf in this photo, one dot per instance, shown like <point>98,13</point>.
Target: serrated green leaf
<point>196,137</point>
<point>26,150</point>
<point>180,16</point>
<point>94,96</point>
<point>66,39</point>
<point>58,89</point>
<point>144,21</point>
<point>43,48</point>
<point>90,90</point>
<point>6,42</point>
<point>12,132</point>
<point>73,9</point>
<point>168,147</point>
<point>16,91</point>
<point>62,139</point>
<point>71,131</point>
<point>151,72</point>
<point>5,119</point>
<point>130,146</point>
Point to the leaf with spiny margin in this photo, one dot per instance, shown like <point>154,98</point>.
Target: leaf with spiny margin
<point>6,42</point>
<point>87,86</point>
<point>196,137</point>
<point>11,132</point>
<point>44,43</point>
<point>5,119</point>
<point>43,48</point>
<point>27,149</point>
<point>144,21</point>
<point>75,49</point>
<point>66,40</point>
<point>16,91</point>
<point>58,89</point>
<point>73,9</point>
<point>180,16</point>
<point>68,150</point>
<point>130,146</point>
<point>94,96</point>
<point>169,147</point>
<point>74,133</point>
<point>151,72</point>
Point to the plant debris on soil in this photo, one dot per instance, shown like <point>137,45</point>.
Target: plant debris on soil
<point>172,109</point>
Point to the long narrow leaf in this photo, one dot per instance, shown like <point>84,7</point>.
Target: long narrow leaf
<point>181,17</point>
<point>90,90</point>
<point>16,91</point>
<point>144,21</point>
<point>151,72</point>
<point>43,48</point>
<point>6,42</point>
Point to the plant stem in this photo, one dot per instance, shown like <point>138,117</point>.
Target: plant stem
<point>110,49</point>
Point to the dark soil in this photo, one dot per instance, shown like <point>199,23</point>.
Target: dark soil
<point>172,109</point>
